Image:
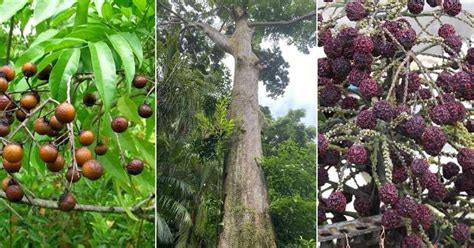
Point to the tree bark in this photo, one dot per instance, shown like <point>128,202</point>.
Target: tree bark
<point>246,220</point>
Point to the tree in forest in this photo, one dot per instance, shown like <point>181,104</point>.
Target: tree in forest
<point>77,126</point>
<point>238,28</point>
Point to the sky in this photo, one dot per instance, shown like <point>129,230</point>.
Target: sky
<point>301,90</point>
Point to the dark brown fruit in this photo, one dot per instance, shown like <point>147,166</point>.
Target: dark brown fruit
<point>101,149</point>
<point>52,133</point>
<point>66,202</point>
<point>28,101</point>
<point>119,124</point>
<point>20,114</point>
<point>65,112</point>
<point>11,167</point>
<point>48,153</point>
<point>13,153</point>
<point>92,170</point>
<point>145,111</point>
<point>7,72</point>
<point>3,85</point>
<point>6,103</point>
<point>139,81</point>
<point>55,124</point>
<point>14,193</point>
<point>44,74</point>
<point>29,69</point>
<point>41,126</point>
<point>75,177</point>
<point>83,155</point>
<point>7,181</point>
<point>135,167</point>
<point>89,99</point>
<point>57,165</point>
<point>86,137</point>
<point>4,128</point>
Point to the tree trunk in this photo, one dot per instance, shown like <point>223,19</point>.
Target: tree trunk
<point>246,220</point>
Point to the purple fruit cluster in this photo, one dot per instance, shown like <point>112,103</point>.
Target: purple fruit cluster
<point>397,120</point>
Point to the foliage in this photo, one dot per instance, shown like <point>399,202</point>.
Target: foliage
<point>99,46</point>
<point>291,178</point>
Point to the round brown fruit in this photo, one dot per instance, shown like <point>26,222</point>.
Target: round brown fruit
<point>29,69</point>
<point>12,153</point>
<point>52,133</point>
<point>14,193</point>
<point>65,112</point>
<point>7,181</point>
<point>48,153</point>
<point>135,167</point>
<point>66,202</point>
<point>20,114</point>
<point>101,149</point>
<point>41,126</point>
<point>73,175</point>
<point>7,72</point>
<point>92,170</point>
<point>11,167</point>
<point>89,99</point>
<point>86,137</point>
<point>83,155</point>
<point>28,101</point>
<point>139,81</point>
<point>3,85</point>
<point>145,111</point>
<point>57,165</point>
<point>6,103</point>
<point>44,74</point>
<point>4,128</point>
<point>119,124</point>
<point>55,124</point>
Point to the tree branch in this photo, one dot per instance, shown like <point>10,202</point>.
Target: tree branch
<point>219,39</point>
<point>9,42</point>
<point>283,23</point>
<point>43,203</point>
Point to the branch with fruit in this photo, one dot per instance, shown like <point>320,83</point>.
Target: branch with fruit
<point>57,121</point>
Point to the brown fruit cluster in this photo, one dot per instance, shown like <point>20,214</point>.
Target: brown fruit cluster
<point>55,123</point>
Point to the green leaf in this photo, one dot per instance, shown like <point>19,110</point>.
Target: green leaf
<point>9,7</point>
<point>125,52</point>
<point>82,12</point>
<point>141,4</point>
<point>104,70</point>
<point>46,35</point>
<point>90,32</point>
<point>62,72</point>
<point>128,109</point>
<point>44,9</point>
<point>107,11</point>
<point>57,44</point>
<point>136,45</point>
<point>120,197</point>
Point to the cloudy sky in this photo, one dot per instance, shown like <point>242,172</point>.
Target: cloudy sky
<point>301,90</point>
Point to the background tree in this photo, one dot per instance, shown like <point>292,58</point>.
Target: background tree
<point>238,28</point>
<point>94,47</point>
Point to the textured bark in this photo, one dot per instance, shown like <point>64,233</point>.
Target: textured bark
<point>246,220</point>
